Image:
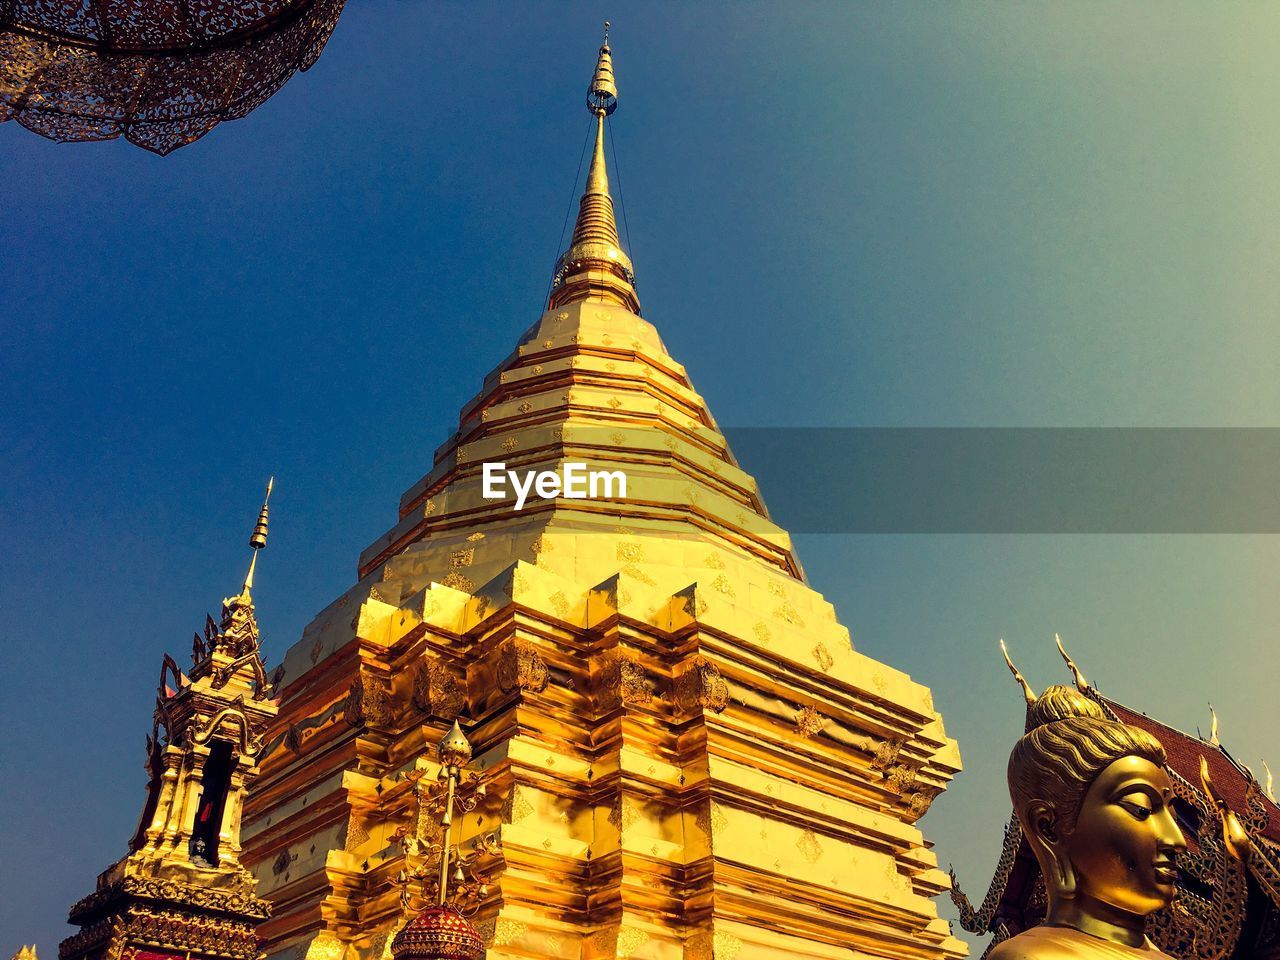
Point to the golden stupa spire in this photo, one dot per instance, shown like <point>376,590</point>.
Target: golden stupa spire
<point>595,266</point>
<point>258,539</point>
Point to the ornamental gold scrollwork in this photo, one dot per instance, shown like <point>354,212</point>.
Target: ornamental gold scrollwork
<point>885,753</point>
<point>368,702</point>
<point>623,680</point>
<point>238,632</point>
<point>425,839</point>
<point>919,801</point>
<point>171,891</point>
<point>250,745</point>
<point>222,675</point>
<point>520,667</point>
<point>182,932</point>
<point>701,685</point>
<point>169,930</point>
<point>437,691</point>
<point>899,778</point>
<point>469,878</point>
<point>809,722</point>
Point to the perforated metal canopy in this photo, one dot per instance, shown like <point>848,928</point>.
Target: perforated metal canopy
<point>161,73</point>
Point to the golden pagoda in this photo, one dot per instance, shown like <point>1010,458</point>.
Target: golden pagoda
<point>181,893</point>
<point>680,756</point>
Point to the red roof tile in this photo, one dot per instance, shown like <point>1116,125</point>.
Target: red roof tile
<point>1184,752</point>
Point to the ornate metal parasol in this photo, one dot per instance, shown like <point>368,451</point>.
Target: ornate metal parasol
<point>161,72</point>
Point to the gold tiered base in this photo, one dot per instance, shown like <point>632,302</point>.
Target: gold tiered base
<point>685,757</point>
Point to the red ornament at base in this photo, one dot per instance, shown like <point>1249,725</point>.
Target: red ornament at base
<point>438,933</point>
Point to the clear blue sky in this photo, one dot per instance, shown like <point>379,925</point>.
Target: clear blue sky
<point>932,214</point>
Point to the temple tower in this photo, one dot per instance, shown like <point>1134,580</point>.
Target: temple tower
<point>181,893</point>
<point>683,755</point>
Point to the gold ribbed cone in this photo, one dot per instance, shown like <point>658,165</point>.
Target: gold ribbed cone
<point>595,267</point>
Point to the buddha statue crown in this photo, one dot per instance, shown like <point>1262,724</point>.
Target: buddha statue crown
<point>1069,740</point>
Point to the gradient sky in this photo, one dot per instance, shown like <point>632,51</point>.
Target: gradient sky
<point>933,214</point>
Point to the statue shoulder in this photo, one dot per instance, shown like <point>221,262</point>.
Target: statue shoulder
<point>1039,943</point>
<point>1010,950</point>
<point>1064,943</point>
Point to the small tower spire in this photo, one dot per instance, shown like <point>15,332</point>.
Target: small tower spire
<point>183,865</point>
<point>595,266</point>
<point>258,539</point>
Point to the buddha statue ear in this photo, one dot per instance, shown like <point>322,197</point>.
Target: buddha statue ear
<point>1048,843</point>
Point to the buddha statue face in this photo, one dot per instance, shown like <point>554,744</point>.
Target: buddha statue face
<point>1094,801</point>
<point>1122,850</point>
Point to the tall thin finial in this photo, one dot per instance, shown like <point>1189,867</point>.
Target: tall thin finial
<point>1028,694</point>
<point>595,267</point>
<point>602,94</point>
<point>258,539</point>
<point>1271,792</point>
<point>1213,727</point>
<point>1081,683</point>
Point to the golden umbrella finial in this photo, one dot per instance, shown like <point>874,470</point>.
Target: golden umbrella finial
<point>1081,683</point>
<point>1027,692</point>
<point>602,94</point>
<point>454,752</point>
<point>442,931</point>
<point>258,539</point>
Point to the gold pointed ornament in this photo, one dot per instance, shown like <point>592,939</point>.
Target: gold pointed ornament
<point>1234,836</point>
<point>258,539</point>
<point>1027,693</point>
<point>595,263</point>
<point>441,930</point>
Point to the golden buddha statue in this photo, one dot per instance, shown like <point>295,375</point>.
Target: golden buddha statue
<point>1093,798</point>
